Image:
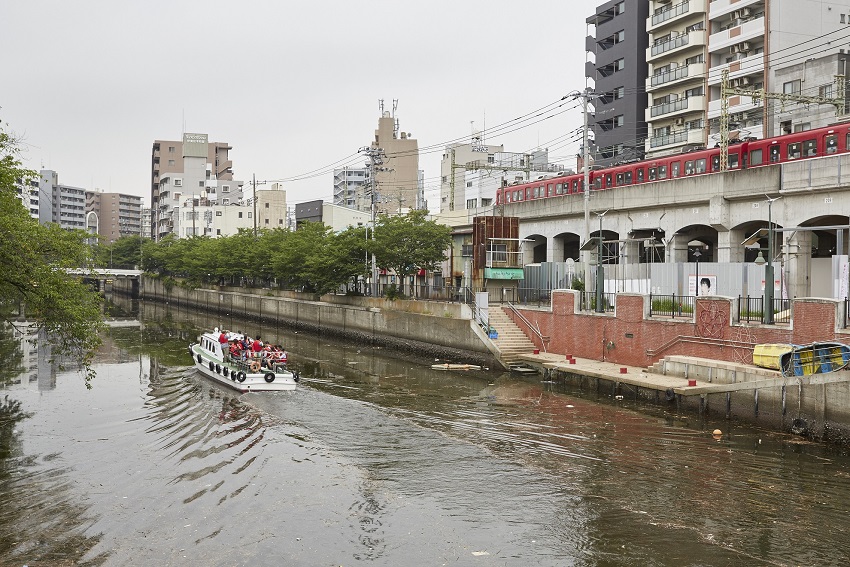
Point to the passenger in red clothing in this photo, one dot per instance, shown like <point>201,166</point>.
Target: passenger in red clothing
<point>256,346</point>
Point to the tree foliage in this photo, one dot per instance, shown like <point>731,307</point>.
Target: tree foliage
<point>35,260</point>
<point>409,243</point>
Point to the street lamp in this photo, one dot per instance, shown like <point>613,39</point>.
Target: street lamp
<point>697,254</point>
<point>768,269</point>
<point>600,271</point>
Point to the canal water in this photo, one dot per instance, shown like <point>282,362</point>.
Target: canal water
<point>376,459</point>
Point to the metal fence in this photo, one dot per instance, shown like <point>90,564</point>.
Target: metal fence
<point>671,305</point>
<point>588,302</point>
<point>750,309</point>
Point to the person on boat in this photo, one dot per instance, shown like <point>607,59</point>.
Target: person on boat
<point>222,338</point>
<point>235,349</point>
<point>257,348</point>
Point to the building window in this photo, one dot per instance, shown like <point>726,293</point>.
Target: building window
<point>471,203</point>
<point>267,205</point>
<point>218,213</point>
<point>792,87</point>
<point>267,221</point>
<point>240,214</point>
<point>178,183</point>
<point>825,91</point>
<point>486,202</point>
<point>698,91</point>
<point>218,232</point>
<point>171,149</point>
<point>250,215</point>
<point>171,162</point>
<point>225,188</point>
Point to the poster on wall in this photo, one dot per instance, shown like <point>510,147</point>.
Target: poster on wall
<point>707,284</point>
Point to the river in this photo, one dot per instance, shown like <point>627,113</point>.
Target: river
<point>377,459</point>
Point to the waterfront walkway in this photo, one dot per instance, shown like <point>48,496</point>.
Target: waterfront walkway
<point>687,376</point>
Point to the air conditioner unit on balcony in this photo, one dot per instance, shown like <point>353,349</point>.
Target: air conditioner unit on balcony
<point>746,12</point>
<point>744,46</point>
<point>736,15</point>
<point>680,121</point>
<point>745,81</point>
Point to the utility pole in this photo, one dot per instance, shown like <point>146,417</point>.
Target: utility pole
<point>726,90</point>
<point>376,158</point>
<point>254,199</point>
<point>768,269</point>
<point>586,96</point>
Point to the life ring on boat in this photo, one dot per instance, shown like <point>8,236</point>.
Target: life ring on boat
<point>255,366</point>
<point>199,359</point>
<point>212,366</point>
<point>217,369</point>
<point>269,377</point>
<point>240,377</point>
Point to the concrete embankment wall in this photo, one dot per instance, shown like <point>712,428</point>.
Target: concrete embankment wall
<point>442,330</point>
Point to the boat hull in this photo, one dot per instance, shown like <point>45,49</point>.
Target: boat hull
<point>803,360</point>
<point>237,375</point>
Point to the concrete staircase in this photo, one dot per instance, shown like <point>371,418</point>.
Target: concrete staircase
<point>512,342</point>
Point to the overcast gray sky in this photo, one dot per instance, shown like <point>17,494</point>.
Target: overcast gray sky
<point>292,86</point>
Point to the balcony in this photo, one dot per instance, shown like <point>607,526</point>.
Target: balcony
<point>736,104</point>
<point>721,8</point>
<point>695,71</point>
<point>676,108</point>
<point>747,32</point>
<point>675,13</point>
<point>681,138</point>
<point>746,66</point>
<point>692,39</point>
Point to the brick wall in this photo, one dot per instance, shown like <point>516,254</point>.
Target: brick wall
<point>629,336</point>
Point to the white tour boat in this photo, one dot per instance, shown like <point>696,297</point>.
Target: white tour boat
<point>252,375</point>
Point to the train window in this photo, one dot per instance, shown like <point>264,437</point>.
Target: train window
<point>575,186</point>
<point>535,192</point>
<point>597,183</point>
<point>715,163</point>
<point>831,142</point>
<point>620,180</point>
<point>628,177</point>
<point>549,191</point>
<point>674,169</point>
<point>794,150</point>
<point>699,166</point>
<point>662,172</point>
<point>529,191</point>
<point>847,143</point>
<point>733,161</point>
<point>652,171</point>
<point>608,180</point>
<point>774,153</point>
<point>559,189</point>
<point>755,157</point>
<point>810,148</point>
<point>689,167</point>
<point>640,175</point>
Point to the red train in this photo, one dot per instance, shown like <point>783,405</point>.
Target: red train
<point>755,153</point>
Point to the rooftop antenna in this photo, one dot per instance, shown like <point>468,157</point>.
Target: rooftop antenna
<point>381,105</point>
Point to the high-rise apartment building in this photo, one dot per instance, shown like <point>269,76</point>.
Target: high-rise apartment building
<point>349,186</point>
<point>205,163</point>
<point>61,204</point>
<point>398,180</point>
<point>194,169</point>
<point>118,214</point>
<point>618,71</point>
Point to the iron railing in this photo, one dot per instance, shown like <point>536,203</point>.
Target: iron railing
<point>750,309</point>
<point>671,305</point>
<point>587,301</point>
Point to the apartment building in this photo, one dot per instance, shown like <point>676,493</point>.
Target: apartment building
<point>350,185</point>
<point>398,179</point>
<point>618,71</point>
<point>117,214</point>
<point>27,191</point>
<point>61,204</point>
<point>202,164</point>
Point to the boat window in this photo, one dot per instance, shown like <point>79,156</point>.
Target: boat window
<point>700,166</point>
<point>831,143</point>
<point>733,161</point>
<point>674,169</point>
<point>640,175</point>
<point>774,153</point>
<point>662,172</point>
<point>810,148</point>
<point>652,173</point>
<point>793,150</point>
<point>755,157</point>
<point>689,167</point>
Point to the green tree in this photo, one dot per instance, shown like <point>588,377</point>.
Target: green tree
<point>409,243</point>
<point>35,260</point>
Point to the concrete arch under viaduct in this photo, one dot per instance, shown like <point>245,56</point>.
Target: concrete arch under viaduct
<point>668,222</point>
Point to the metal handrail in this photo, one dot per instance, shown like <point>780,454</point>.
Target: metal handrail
<point>543,340</point>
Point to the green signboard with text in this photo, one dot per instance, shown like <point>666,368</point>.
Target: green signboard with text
<point>503,273</point>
